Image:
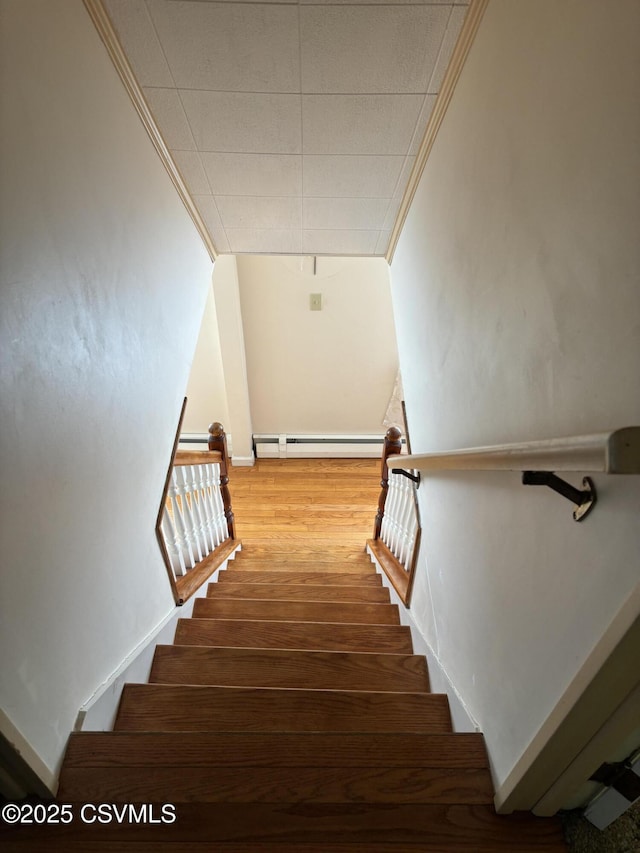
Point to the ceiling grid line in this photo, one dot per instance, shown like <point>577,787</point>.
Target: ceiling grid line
<point>325,101</point>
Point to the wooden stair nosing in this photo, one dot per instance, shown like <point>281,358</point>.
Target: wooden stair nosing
<point>300,592</point>
<point>277,749</point>
<point>168,707</point>
<point>314,670</point>
<point>296,611</point>
<point>327,636</point>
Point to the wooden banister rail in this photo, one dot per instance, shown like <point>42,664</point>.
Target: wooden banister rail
<point>195,527</point>
<point>196,457</point>
<point>396,530</point>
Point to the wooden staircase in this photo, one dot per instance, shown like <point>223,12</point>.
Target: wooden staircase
<point>290,715</point>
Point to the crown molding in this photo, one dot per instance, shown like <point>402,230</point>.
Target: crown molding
<point>458,58</point>
<point>108,35</point>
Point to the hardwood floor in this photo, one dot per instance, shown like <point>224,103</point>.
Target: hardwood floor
<point>306,503</point>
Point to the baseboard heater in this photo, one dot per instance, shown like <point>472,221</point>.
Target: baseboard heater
<point>285,446</point>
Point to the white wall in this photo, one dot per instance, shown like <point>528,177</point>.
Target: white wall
<point>515,291</point>
<point>328,371</point>
<point>206,390</point>
<point>104,281</point>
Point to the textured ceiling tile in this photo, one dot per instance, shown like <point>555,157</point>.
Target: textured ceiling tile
<point>138,38</point>
<point>167,110</point>
<point>392,212</point>
<point>350,176</point>
<point>339,242</point>
<point>279,241</point>
<point>359,124</point>
<point>383,242</point>
<point>234,47</point>
<point>244,123</point>
<point>207,206</point>
<point>190,167</point>
<point>254,174</point>
<point>448,43</point>
<point>243,211</point>
<point>383,2</point>
<point>351,49</point>
<point>349,213</point>
<point>421,124</point>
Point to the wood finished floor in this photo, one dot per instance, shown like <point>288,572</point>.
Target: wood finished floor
<point>306,504</point>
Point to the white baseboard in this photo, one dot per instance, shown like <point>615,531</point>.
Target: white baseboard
<point>21,745</point>
<point>243,461</point>
<point>99,712</point>
<point>439,681</point>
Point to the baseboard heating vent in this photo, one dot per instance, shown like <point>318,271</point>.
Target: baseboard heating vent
<point>285,446</point>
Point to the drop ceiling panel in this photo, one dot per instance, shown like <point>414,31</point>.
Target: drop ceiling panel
<point>359,124</point>
<point>353,49</point>
<point>339,242</point>
<point>190,166</point>
<point>140,42</point>
<point>242,211</point>
<point>206,204</point>
<point>235,47</point>
<point>446,49</point>
<point>347,213</point>
<point>166,106</point>
<point>244,122</point>
<point>348,175</point>
<point>279,241</point>
<point>254,174</point>
<point>421,124</point>
<point>294,123</point>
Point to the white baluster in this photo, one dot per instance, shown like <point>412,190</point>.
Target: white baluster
<point>172,544</point>
<point>177,501</point>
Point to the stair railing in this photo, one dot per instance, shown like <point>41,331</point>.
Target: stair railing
<point>397,530</point>
<point>196,527</point>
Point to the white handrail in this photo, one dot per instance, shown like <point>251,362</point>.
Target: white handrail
<point>616,452</point>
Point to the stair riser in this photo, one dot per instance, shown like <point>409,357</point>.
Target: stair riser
<point>148,707</point>
<point>297,611</point>
<point>278,785</point>
<point>288,669</point>
<point>392,639</point>
<point>299,592</point>
<point>368,579</point>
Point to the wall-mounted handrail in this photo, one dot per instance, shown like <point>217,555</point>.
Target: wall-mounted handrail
<point>616,452</point>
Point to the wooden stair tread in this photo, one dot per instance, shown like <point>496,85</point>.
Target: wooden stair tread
<point>327,636</point>
<point>299,592</point>
<point>367,579</point>
<point>276,749</point>
<point>168,707</point>
<point>308,828</point>
<point>298,669</point>
<point>299,784</point>
<point>296,611</point>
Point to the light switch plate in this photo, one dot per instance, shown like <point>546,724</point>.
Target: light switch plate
<point>315,301</point>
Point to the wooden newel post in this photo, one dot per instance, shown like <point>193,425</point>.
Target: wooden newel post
<point>218,441</point>
<point>392,445</point>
